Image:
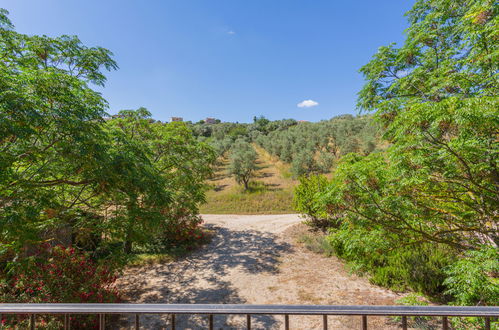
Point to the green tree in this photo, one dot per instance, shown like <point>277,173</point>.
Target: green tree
<point>303,163</point>
<point>261,124</point>
<point>62,165</point>
<point>325,162</point>
<point>437,98</point>
<point>306,201</point>
<point>243,162</point>
<point>180,163</point>
<point>438,181</point>
<point>323,142</point>
<point>53,149</point>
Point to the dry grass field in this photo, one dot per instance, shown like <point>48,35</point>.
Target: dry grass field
<point>271,191</point>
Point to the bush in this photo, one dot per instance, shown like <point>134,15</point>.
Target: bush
<point>317,244</point>
<point>182,232</point>
<point>473,280</point>
<point>417,267</point>
<point>306,202</point>
<point>59,275</point>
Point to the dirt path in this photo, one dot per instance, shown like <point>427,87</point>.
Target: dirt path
<point>254,260</point>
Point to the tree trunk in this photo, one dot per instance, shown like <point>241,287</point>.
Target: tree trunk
<point>127,247</point>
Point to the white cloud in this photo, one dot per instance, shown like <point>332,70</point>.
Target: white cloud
<point>307,104</point>
<point>231,32</point>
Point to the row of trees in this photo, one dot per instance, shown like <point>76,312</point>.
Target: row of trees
<point>69,176</point>
<point>314,147</point>
<point>308,147</point>
<point>424,212</point>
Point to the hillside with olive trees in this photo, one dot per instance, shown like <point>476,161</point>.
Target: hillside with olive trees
<point>259,164</point>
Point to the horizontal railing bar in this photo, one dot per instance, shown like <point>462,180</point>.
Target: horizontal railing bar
<point>465,311</point>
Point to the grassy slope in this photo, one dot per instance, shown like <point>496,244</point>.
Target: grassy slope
<point>271,190</point>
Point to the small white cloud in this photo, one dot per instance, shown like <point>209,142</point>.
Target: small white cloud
<point>231,32</point>
<point>307,104</point>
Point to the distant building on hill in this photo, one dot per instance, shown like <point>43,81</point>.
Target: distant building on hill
<point>210,121</point>
<point>176,119</point>
<point>303,121</point>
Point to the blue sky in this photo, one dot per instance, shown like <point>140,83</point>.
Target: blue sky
<point>229,59</point>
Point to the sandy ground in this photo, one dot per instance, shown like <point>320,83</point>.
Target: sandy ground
<point>254,259</point>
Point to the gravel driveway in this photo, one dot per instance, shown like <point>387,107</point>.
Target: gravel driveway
<point>254,259</point>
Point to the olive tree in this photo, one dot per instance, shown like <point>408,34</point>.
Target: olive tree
<point>243,162</point>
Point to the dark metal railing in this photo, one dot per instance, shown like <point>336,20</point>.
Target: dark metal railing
<point>489,313</point>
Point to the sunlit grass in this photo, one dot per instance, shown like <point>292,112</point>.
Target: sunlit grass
<point>148,259</point>
<point>258,201</point>
<point>270,191</point>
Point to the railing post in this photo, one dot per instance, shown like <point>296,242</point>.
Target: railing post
<point>210,322</point>
<point>487,323</point>
<point>364,322</point>
<point>67,322</point>
<point>32,321</point>
<point>286,321</point>
<point>324,322</point>
<point>404,322</point>
<point>173,321</point>
<point>101,322</point>
<point>445,323</point>
<point>137,322</point>
<point>248,321</point>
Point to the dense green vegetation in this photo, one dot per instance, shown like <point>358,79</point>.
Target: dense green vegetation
<point>291,148</point>
<point>308,147</point>
<point>314,147</point>
<point>70,177</point>
<point>407,192</point>
<point>422,213</point>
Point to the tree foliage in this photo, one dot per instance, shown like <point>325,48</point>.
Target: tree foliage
<point>68,172</point>
<point>243,162</point>
<point>313,147</point>
<point>54,151</point>
<point>310,148</point>
<point>438,181</point>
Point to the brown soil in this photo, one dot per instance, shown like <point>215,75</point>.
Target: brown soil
<point>254,259</point>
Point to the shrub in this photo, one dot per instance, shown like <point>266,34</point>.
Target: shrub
<point>317,244</point>
<point>59,275</point>
<point>182,232</point>
<point>417,267</point>
<point>306,202</point>
<point>473,280</point>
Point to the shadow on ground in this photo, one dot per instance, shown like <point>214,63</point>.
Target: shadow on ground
<point>202,278</point>
<point>220,187</point>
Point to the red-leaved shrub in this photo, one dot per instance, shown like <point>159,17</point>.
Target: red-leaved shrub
<point>60,275</point>
<point>183,230</point>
